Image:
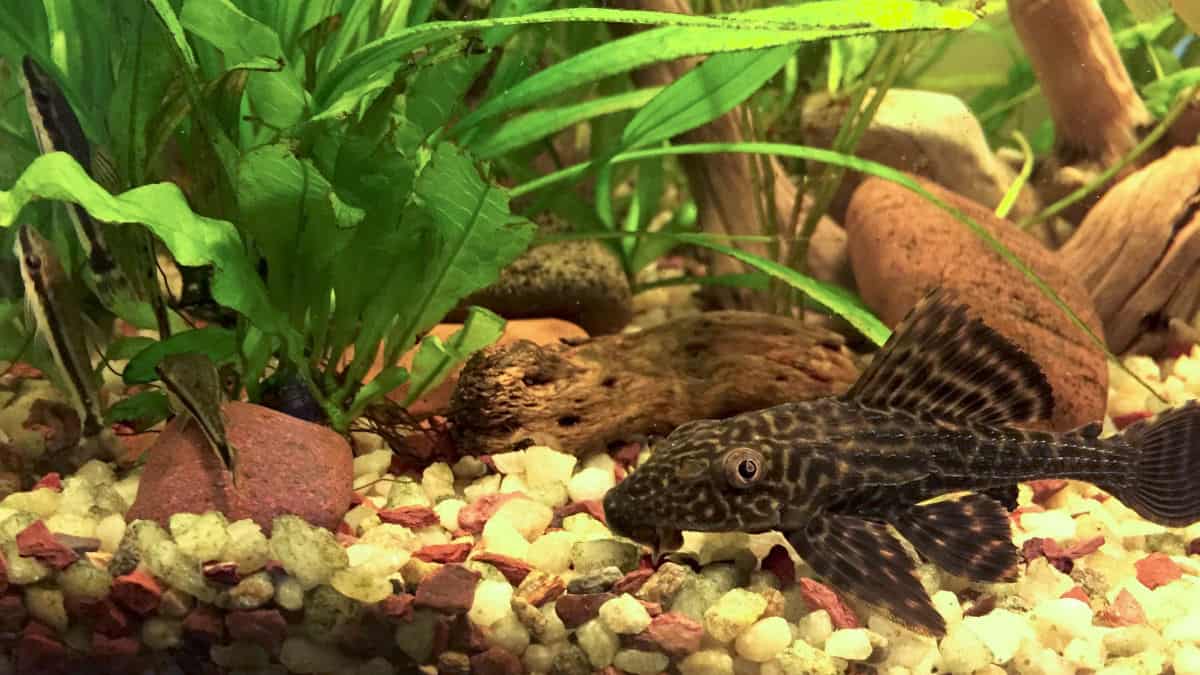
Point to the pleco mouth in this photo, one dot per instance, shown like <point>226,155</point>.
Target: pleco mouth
<point>663,540</point>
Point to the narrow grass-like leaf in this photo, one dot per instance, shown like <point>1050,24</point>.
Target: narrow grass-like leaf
<point>538,124</point>
<point>1018,184</point>
<point>435,359</point>
<point>1160,94</point>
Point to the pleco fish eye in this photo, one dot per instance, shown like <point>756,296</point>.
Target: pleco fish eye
<point>925,443</point>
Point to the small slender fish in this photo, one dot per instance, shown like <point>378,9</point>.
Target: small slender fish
<point>195,390</point>
<point>50,297</point>
<point>924,442</point>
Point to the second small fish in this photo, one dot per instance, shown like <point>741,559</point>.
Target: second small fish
<point>932,417</point>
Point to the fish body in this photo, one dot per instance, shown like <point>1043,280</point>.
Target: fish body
<point>194,384</point>
<point>50,297</point>
<point>927,444</point>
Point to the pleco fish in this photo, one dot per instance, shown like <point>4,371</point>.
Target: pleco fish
<point>923,443</point>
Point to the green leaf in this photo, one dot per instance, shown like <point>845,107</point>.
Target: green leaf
<point>142,410</point>
<point>703,94</point>
<point>538,124</point>
<point>848,60</point>
<point>193,240</point>
<point>219,344</point>
<point>140,88</point>
<point>437,92</point>
<point>435,359</point>
<point>1160,95</point>
<point>125,348</point>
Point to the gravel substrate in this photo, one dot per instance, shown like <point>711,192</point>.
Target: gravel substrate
<point>504,565</point>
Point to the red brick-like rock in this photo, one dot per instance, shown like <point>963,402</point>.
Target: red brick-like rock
<point>37,541</point>
<point>632,582</point>
<point>820,596</point>
<point>675,634</point>
<point>204,625</point>
<point>51,481</point>
<point>449,589</point>
<point>473,516</point>
<point>1122,421</point>
<point>592,507</point>
<point>1046,488</point>
<point>496,661</point>
<point>414,517</point>
<point>444,553</point>
<point>652,608</point>
<point>577,609</point>
<point>265,627</point>
<point>1078,593</point>
<point>514,570</point>
<point>397,607</point>
<point>285,466</point>
<point>1124,611</point>
<point>137,591</point>
<point>110,620</point>
<point>115,655</point>
<point>40,652</point>
<point>1157,569</point>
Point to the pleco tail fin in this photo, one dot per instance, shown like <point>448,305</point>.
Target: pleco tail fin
<point>1164,486</point>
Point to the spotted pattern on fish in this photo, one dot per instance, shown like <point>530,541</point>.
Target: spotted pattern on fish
<point>921,445</point>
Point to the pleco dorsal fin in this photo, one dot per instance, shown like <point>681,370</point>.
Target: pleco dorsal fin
<point>943,363</point>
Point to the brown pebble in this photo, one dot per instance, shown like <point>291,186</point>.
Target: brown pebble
<point>1193,547</point>
<point>666,581</point>
<point>204,625</point>
<point>115,655</point>
<point>453,663</point>
<point>450,589</point>
<point>467,637</point>
<point>397,607</point>
<point>576,610</point>
<point>109,619</point>
<point>3,573</point>
<point>674,633</point>
<point>265,627</point>
<point>775,601</point>
<point>514,570</point>
<point>137,591</point>
<point>224,573</point>
<point>496,661</point>
<point>40,652</point>
<point>633,581</point>
<point>36,541</point>
<point>540,587</point>
<point>413,517</point>
<point>80,545</point>
<point>592,507</point>
<point>12,613</point>
<point>444,553</point>
<point>473,516</point>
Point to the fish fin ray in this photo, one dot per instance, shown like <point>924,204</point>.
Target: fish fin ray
<point>968,536</point>
<point>864,559</point>
<point>1163,487</point>
<point>941,362</point>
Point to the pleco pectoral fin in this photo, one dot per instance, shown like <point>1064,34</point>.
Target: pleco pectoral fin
<point>968,536</point>
<point>864,559</point>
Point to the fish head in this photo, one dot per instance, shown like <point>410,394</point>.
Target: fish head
<point>705,476</point>
<point>36,255</point>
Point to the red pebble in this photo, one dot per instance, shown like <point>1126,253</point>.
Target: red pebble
<point>1157,569</point>
<point>514,570</point>
<point>1193,548</point>
<point>633,581</point>
<point>675,634</point>
<point>1122,421</point>
<point>109,619</point>
<point>1078,593</point>
<point>444,553</point>
<point>397,607</point>
<point>204,624</point>
<point>1124,611</point>
<point>473,516</point>
<point>137,591</point>
<point>450,589</point>
<point>12,613</point>
<point>115,655</point>
<point>51,481</point>
<point>779,562</point>
<point>224,573</point>
<point>577,609</point>
<point>820,596</point>
<point>36,541</point>
<point>40,652</point>
<point>265,627</point>
<point>652,608</point>
<point>414,517</point>
<point>1046,488</point>
<point>496,661</point>
<point>592,507</point>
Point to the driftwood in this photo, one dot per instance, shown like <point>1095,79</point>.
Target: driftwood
<point>598,394</point>
<point>1138,253</point>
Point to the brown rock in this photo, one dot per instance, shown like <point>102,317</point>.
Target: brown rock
<point>666,581</point>
<point>514,570</point>
<point>204,625</point>
<point>285,466</point>
<point>473,516</point>
<point>633,581</point>
<point>901,246</point>
<point>675,634</point>
<point>414,517</point>
<point>443,553</point>
<point>224,573</point>
<point>79,545</point>
<point>40,652</point>
<point>538,588</point>
<point>36,541</point>
<point>592,507</point>
<point>115,654</point>
<point>592,396</point>
<point>137,591</point>
<point>450,589</point>
<point>109,619</point>
<point>397,607</point>
<point>265,627</point>
<point>12,613</point>
<point>496,661</point>
<point>576,610</point>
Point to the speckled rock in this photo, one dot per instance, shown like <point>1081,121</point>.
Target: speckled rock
<point>901,245</point>
<point>285,466</point>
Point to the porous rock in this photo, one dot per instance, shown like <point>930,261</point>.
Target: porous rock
<point>285,465</point>
<point>595,395</point>
<point>901,246</point>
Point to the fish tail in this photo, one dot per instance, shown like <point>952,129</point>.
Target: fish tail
<point>1163,485</point>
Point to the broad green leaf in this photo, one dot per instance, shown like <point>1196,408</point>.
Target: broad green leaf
<point>538,124</point>
<point>125,348</point>
<point>435,359</point>
<point>142,410</point>
<point>219,344</point>
<point>193,240</point>
<point>703,94</point>
<point>437,92</point>
<point>141,85</point>
<point>1160,95</point>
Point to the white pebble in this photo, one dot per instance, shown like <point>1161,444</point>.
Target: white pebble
<point>815,628</point>
<point>544,465</point>
<point>509,462</point>
<point>963,652</point>
<point>1062,620</point>
<point>1184,629</point>
<point>509,634</point>
<point>493,600</point>
<point>1057,525</point>
<point>438,481</point>
<point>599,643</point>
<point>551,552</point>
<point>1187,660</point>
<point>376,463</point>
<point>1002,631</point>
<point>946,604</point>
<point>447,513</point>
<point>764,640</point>
<point>528,517</point>
<point>624,615</point>
<point>707,662</point>
<point>590,484</point>
<point>513,482</point>
<point>109,531</point>
<point>499,536</point>
<point>1088,654</point>
<point>482,487</point>
<point>732,613</point>
<point>640,662</point>
<point>538,659</point>
<point>852,644</point>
